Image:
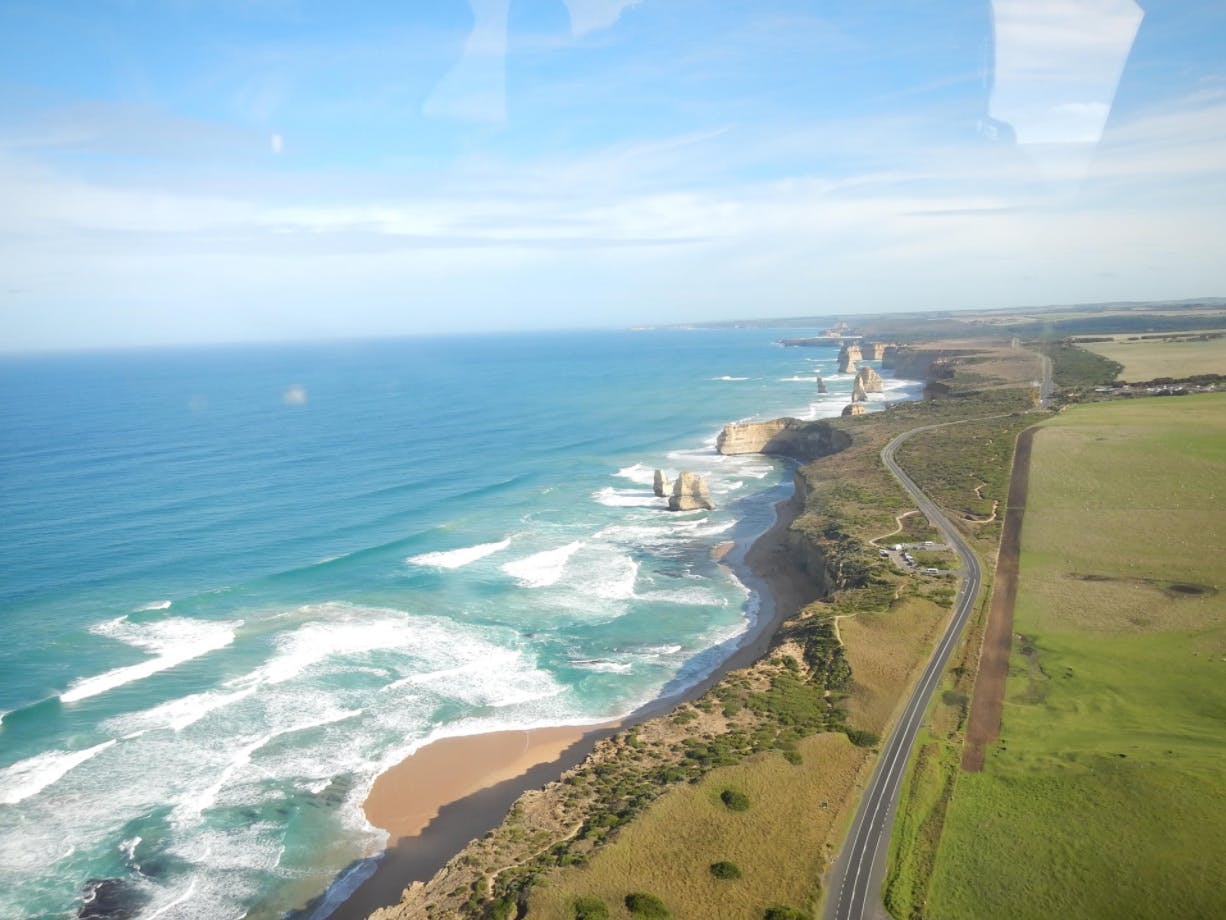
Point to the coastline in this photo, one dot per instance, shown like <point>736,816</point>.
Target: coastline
<point>432,811</point>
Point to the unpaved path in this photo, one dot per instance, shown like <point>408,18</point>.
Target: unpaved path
<point>987,701</point>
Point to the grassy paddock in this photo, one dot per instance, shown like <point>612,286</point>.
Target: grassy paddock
<point>1104,796</point>
<point>782,842</point>
<point>1147,359</point>
<point>669,850</point>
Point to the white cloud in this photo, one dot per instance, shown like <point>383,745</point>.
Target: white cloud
<point>638,232</point>
<point>593,15</point>
<point>1058,63</point>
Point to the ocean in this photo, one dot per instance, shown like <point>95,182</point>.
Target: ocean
<point>236,583</point>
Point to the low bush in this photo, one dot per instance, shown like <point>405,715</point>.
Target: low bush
<point>590,908</point>
<point>861,738</point>
<point>785,913</point>
<point>726,870</point>
<point>646,905</point>
<point>734,801</point>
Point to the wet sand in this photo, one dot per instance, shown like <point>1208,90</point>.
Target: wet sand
<point>456,789</point>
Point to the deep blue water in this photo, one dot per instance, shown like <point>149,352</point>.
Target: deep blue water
<point>236,583</point>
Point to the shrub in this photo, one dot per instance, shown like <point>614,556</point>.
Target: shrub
<point>646,905</point>
<point>735,801</point>
<point>861,738</point>
<point>589,908</point>
<point>726,870</point>
<point>785,913</point>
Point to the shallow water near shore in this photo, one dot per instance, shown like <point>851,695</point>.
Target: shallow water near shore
<point>238,583</point>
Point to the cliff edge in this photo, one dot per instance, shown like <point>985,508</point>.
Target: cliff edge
<point>783,437</point>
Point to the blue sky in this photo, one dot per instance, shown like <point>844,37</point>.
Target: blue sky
<point>189,171</point>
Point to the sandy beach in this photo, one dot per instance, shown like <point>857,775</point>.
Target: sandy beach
<point>453,790</point>
<point>405,799</point>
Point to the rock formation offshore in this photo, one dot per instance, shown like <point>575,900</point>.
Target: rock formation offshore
<point>690,493</point>
<point>870,380</point>
<point>660,485</point>
<point>848,356</point>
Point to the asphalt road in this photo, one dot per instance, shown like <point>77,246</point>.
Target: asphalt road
<point>854,887</point>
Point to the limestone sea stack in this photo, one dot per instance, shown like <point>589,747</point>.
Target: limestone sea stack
<point>870,379</point>
<point>858,393</point>
<point>660,485</point>
<point>821,384</point>
<point>690,493</point>
<point>888,353</point>
<point>848,356</point>
<point>870,351</point>
<point>853,409</point>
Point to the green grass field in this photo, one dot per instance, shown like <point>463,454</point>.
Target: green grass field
<point>1106,795</point>
<point>1148,359</point>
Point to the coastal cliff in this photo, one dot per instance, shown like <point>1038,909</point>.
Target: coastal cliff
<point>782,437</point>
<point>925,363</point>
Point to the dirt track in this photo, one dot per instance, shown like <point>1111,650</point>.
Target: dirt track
<point>983,725</point>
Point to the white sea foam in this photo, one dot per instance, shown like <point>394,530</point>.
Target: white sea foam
<point>603,665</point>
<point>686,597</point>
<point>662,650</point>
<point>626,498</point>
<point>340,890</point>
<point>156,605</point>
<point>810,379</point>
<point>316,641</point>
<point>612,579</point>
<point>458,558</point>
<point>178,714</point>
<point>497,677</point>
<point>173,641</point>
<point>541,570</point>
<point>728,379</point>
<point>30,776</point>
<point>638,473</point>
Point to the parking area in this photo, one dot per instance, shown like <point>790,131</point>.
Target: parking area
<point>903,557</point>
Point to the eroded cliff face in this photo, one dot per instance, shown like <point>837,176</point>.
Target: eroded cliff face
<point>853,409</point>
<point>848,356</point>
<point>917,363</point>
<point>782,437</point>
<point>870,380</point>
<point>805,551</point>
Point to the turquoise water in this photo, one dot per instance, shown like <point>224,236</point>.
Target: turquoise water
<point>237,583</point>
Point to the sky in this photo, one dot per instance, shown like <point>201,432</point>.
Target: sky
<point>188,171</point>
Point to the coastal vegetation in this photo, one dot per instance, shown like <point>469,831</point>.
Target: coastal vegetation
<point>1098,799</point>
<point>770,756</point>
<point>1074,366</point>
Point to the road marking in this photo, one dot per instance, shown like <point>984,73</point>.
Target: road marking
<point>870,821</point>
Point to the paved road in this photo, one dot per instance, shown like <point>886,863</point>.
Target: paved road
<point>1046,385</point>
<point>854,887</point>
